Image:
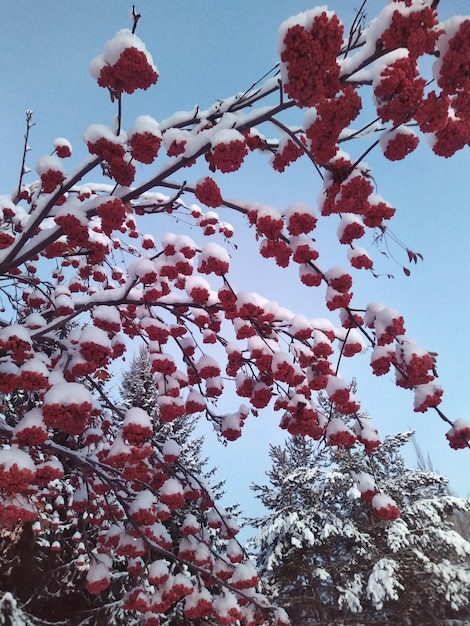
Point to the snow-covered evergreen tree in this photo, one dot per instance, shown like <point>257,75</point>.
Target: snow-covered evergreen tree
<point>138,389</point>
<point>329,560</point>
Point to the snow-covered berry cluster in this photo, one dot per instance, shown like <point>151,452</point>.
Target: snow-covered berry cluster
<point>228,151</point>
<point>52,173</point>
<point>125,65</point>
<point>310,43</point>
<point>144,139</point>
<point>207,191</point>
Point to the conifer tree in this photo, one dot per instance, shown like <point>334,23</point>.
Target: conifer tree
<point>138,389</point>
<point>328,560</point>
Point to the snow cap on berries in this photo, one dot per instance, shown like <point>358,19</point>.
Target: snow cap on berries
<point>124,65</point>
<point>384,507</point>
<point>144,139</point>
<point>459,435</point>
<point>63,147</point>
<point>51,171</point>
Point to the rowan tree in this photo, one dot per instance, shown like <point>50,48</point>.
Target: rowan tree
<point>50,584</point>
<point>83,272</point>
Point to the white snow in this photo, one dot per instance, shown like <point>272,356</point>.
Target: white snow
<point>94,132</point>
<point>67,393</point>
<point>136,415</point>
<point>50,162</point>
<point>383,583</point>
<point>61,141</point>
<point>144,124</point>
<point>30,419</point>
<point>15,456</point>
<point>171,486</point>
<point>114,47</point>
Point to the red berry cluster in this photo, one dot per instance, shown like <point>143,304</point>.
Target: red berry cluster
<point>415,369</point>
<point>381,359</point>
<point>342,438</point>
<point>144,147</point>
<point>198,605</point>
<point>110,151</point>
<point>269,224</point>
<point>32,380</point>
<point>63,151</point>
<point>95,353</point>
<point>433,112</point>
<point>399,91</point>
<point>350,196</point>
<point>303,421</point>
<point>337,300</point>
<point>351,348</point>
<point>309,276</point>
<point>277,249</point>
<point>333,115</point>
<point>51,179</point>
<point>20,348</point>
<point>377,212</point>
<point>386,512</point>
<point>361,261</point>
<point>144,516</point>
<point>213,265</point>
<point>231,428</point>
<point>199,294</point>
<point>16,510</point>
<point>300,220</point>
<point>448,114</point>
<point>71,418</point>
<point>75,229</point>
<point>114,154</point>
<point>309,57</point>
<point>98,578</point>
<point>351,227</point>
<point>459,435</point>
<point>355,195</point>
<point>176,148</point>
<point>135,434</point>
<point>171,494</point>
<point>15,479</point>
<point>208,368</point>
<point>368,436</point>
<point>33,435</point>
<point>427,396</point>
<point>207,191</point>
<point>414,30</point>
<point>386,329</point>
<point>454,136</point>
<point>400,145</point>
<point>303,249</point>
<point>227,157</point>
<point>339,280</point>
<point>130,72</point>
<point>112,214</point>
<point>287,153</point>
<point>453,75</point>
<point>170,408</point>
<point>6,240</point>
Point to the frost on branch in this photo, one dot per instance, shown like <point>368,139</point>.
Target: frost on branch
<point>82,276</point>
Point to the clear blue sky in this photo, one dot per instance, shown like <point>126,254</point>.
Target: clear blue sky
<point>207,50</point>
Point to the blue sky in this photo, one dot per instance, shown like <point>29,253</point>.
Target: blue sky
<point>207,50</point>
